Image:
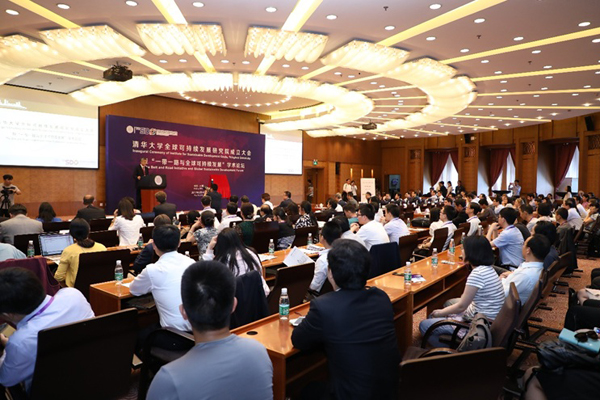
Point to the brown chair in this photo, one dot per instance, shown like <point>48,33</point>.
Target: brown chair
<point>384,258</point>
<point>22,241</point>
<point>107,238</point>
<point>458,234</point>
<point>449,370</point>
<point>38,266</point>
<point>189,246</point>
<point>94,353</point>
<point>439,239</point>
<point>99,267</point>
<point>56,226</point>
<point>296,279</point>
<point>146,232</point>
<point>263,233</point>
<point>301,238</point>
<point>406,245</point>
<point>100,224</point>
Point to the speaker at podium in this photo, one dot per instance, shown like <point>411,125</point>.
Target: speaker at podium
<point>148,186</point>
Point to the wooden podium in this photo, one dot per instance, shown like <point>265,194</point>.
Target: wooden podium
<point>149,185</point>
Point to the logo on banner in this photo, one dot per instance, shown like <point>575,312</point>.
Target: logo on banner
<point>158,180</point>
<point>150,131</point>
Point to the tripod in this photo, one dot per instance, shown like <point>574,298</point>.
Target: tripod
<point>4,205</point>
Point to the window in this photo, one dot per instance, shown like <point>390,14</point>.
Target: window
<point>507,176</point>
<point>449,173</point>
<point>572,177</point>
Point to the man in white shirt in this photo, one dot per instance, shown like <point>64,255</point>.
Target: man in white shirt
<point>163,278</point>
<point>472,211</point>
<point>229,217</point>
<point>331,232</point>
<point>394,226</point>
<point>527,216</point>
<point>206,200</point>
<point>535,250</point>
<point>347,186</point>
<point>510,241</point>
<point>574,219</point>
<point>370,231</point>
<point>516,188</point>
<point>266,199</point>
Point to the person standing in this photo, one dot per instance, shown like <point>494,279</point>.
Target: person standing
<point>7,195</point>
<point>515,188</point>
<point>310,192</point>
<point>139,172</point>
<point>354,189</point>
<point>215,197</point>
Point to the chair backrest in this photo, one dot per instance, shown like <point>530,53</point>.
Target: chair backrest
<point>302,235</point>
<point>188,246</point>
<point>263,233</point>
<point>296,279</point>
<point>504,326</point>
<point>384,258</point>
<point>107,238</point>
<point>100,224</point>
<point>146,232</point>
<point>22,241</point>
<point>406,245</point>
<point>458,235</point>
<point>183,219</point>
<point>56,226</point>
<point>485,369</point>
<point>95,354</point>
<point>252,302</point>
<point>99,267</point>
<point>555,270</point>
<point>531,303</point>
<point>439,239</point>
<point>38,266</point>
<point>465,225</point>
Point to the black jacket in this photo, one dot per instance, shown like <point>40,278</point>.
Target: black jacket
<point>90,212</point>
<point>169,209</point>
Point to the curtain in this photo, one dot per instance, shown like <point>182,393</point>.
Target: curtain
<point>454,156</point>
<point>438,162</point>
<point>497,161</point>
<point>513,155</point>
<point>563,155</point>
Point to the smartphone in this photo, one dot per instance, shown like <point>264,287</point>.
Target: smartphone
<point>3,327</point>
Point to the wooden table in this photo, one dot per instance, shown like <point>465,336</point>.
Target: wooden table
<point>107,297</point>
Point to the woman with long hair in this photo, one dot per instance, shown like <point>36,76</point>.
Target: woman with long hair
<point>307,218</point>
<point>126,223</point>
<point>246,227</point>
<point>46,213</point>
<point>287,234</point>
<point>203,231</point>
<point>68,266</point>
<point>228,248</point>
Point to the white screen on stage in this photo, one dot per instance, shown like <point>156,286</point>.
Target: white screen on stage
<point>42,129</point>
<point>283,153</point>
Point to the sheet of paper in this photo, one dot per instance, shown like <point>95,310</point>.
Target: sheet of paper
<point>296,257</point>
<point>265,257</point>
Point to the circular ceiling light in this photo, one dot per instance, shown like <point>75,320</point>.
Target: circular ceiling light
<point>464,50</point>
<point>183,60</point>
<point>498,72</point>
<point>225,61</point>
<point>430,38</point>
<point>547,66</point>
<point>584,24</point>
<point>435,6</point>
<point>518,38</point>
<point>479,20</point>
<point>304,68</point>
<point>270,9</point>
<point>349,76</point>
<point>245,62</point>
<point>12,12</point>
<point>131,3</point>
<point>338,73</point>
<point>587,86</point>
<point>198,4</point>
<point>390,28</point>
<point>162,61</point>
<point>536,52</point>
<point>596,40</point>
<point>286,65</point>
<point>331,17</point>
<point>63,6</point>
<point>485,61</point>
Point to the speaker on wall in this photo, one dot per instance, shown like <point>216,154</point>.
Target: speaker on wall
<point>468,138</point>
<point>337,168</point>
<point>589,124</point>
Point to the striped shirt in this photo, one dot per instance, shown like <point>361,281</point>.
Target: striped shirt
<point>490,292</point>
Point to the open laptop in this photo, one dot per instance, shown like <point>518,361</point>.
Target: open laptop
<point>53,244</point>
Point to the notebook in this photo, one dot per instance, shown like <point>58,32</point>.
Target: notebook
<point>53,244</point>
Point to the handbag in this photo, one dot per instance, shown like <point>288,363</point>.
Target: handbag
<point>556,355</point>
<point>479,335</point>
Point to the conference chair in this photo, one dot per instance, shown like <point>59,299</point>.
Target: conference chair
<point>296,279</point>
<point>252,303</point>
<point>183,219</point>
<point>384,258</point>
<point>22,241</point>
<point>485,371</point>
<point>189,246</point>
<point>263,233</point>
<point>38,266</point>
<point>100,224</point>
<point>146,232</point>
<point>94,355</point>
<point>458,234</point>
<point>439,239</point>
<point>56,226</point>
<point>99,267</point>
<point>406,245</point>
<point>107,238</point>
<point>301,238</point>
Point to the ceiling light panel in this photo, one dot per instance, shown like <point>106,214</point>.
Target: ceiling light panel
<point>181,38</point>
<point>299,46</point>
<point>19,54</point>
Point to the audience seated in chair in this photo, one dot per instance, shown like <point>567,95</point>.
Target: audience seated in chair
<point>329,234</point>
<point>393,225</point>
<point>510,241</point>
<point>147,254</point>
<point>368,229</point>
<point>18,224</point>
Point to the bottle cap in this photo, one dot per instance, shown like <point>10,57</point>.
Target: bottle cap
<point>283,290</point>
<point>408,263</point>
<point>119,262</point>
<point>31,242</point>
<point>434,249</point>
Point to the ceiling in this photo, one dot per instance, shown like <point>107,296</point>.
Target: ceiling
<point>502,101</point>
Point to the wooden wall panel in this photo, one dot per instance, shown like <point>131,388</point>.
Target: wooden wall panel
<point>564,128</point>
<point>275,185</point>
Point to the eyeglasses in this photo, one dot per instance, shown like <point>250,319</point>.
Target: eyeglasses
<point>584,336</point>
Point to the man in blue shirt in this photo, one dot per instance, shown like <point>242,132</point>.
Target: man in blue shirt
<point>510,241</point>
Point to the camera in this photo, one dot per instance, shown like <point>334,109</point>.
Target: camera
<point>7,191</point>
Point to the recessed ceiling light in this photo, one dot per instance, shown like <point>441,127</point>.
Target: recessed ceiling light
<point>584,24</point>
<point>182,60</point>
<point>225,61</point>
<point>503,81</point>
<point>430,38</point>
<point>373,83</point>
<point>575,94</point>
<point>464,50</point>
<point>510,109</point>
<point>390,28</point>
<point>245,62</point>
<point>435,6</point>
<point>547,66</point>
<point>270,9</point>
<point>554,104</point>
<point>393,92</point>
<point>381,86</point>
<point>498,97</point>
<point>490,104</point>
<point>597,72</point>
<point>485,61</point>
<point>131,3</point>
<point>384,115</point>
<point>364,139</point>
<point>539,109</point>
<point>549,77</point>
<point>304,68</point>
<point>536,95</point>
<point>286,65</point>
<point>587,87</point>
<point>198,4</point>
<point>63,6</point>
<point>479,20</point>
<point>587,104</point>
<point>536,52</point>
<point>337,73</point>
<point>503,90</point>
<point>162,61</point>
<point>498,72</point>
<point>351,76</point>
<point>331,16</point>
<point>518,38</point>
<point>554,114</point>
<point>544,88</point>
<point>12,12</point>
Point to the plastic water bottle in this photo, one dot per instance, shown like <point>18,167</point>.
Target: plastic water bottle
<point>284,305</point>
<point>140,242</point>
<point>434,258</point>
<point>187,253</point>
<point>408,222</point>
<point>119,273</point>
<point>407,274</point>
<point>309,241</point>
<point>175,221</point>
<point>480,230</point>
<point>452,247</point>
<point>30,249</point>
<point>271,247</point>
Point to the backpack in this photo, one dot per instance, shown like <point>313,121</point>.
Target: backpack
<point>479,335</point>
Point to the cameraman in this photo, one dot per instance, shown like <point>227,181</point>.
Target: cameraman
<point>7,194</point>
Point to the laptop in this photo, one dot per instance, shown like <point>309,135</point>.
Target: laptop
<point>53,244</point>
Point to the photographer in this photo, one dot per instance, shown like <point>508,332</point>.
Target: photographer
<point>7,195</point>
